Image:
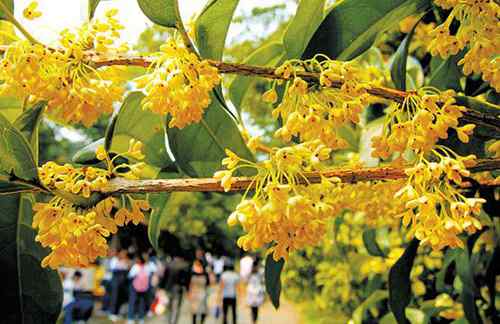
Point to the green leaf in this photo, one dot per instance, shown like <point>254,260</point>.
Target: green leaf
<point>351,26</point>
<point>479,105</point>
<point>134,122</point>
<point>302,27</point>
<point>211,27</point>
<point>448,259</point>
<point>92,8</point>
<point>28,123</point>
<point>398,66</point>
<point>110,132</point>
<point>161,12</point>
<point>159,206</point>
<point>370,241</point>
<point>30,293</point>
<point>10,5</point>
<point>468,294</point>
<point>446,74</point>
<point>86,155</point>
<point>272,275</point>
<point>8,187</point>
<point>159,210</point>
<point>199,148</point>
<point>11,107</point>
<point>267,55</point>
<point>15,152</point>
<point>491,272</point>
<point>400,284</point>
<point>372,300</point>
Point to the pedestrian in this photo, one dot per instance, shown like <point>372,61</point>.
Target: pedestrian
<point>70,285</point>
<point>119,266</point>
<point>246,264</point>
<point>175,281</point>
<point>255,291</point>
<point>140,276</point>
<point>228,288</point>
<point>198,292</point>
<point>218,267</point>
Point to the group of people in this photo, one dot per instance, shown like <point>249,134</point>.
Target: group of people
<point>150,285</point>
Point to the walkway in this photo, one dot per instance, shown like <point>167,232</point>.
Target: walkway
<point>286,314</point>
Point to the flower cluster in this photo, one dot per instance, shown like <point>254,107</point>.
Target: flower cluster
<point>77,234</point>
<point>180,85</point>
<point>422,35</point>
<point>316,111</point>
<point>62,76</point>
<point>283,210</point>
<point>478,31</point>
<point>418,123</point>
<point>436,210</point>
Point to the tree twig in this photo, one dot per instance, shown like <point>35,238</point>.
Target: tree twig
<point>120,185</point>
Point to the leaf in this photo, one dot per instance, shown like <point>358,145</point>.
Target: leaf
<point>492,271</point>
<point>28,122</point>
<point>159,210</point>
<point>30,293</point>
<point>446,74</point>
<point>267,55</point>
<point>211,27</point>
<point>198,149</point>
<point>159,203</point>
<point>86,155</point>
<point>272,275</point>
<point>478,105</point>
<point>370,241</point>
<point>351,26</point>
<point>398,66</point>
<point>110,132</point>
<point>10,6</point>
<point>161,12</point>
<point>372,300</point>
<point>468,294</point>
<point>92,6</point>
<point>400,284</point>
<point>15,152</point>
<point>302,27</point>
<point>11,107</point>
<point>8,187</point>
<point>448,259</point>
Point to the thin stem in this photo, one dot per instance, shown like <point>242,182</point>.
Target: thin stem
<point>10,17</point>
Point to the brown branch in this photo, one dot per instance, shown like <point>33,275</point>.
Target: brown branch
<point>120,185</point>
<point>98,61</point>
<point>492,122</point>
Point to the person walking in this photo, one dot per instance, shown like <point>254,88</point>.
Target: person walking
<point>255,291</point>
<point>198,292</point>
<point>140,275</point>
<point>228,288</point>
<point>119,266</point>
<point>175,281</point>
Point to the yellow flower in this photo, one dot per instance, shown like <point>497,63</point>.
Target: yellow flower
<point>31,12</point>
<point>226,179</point>
<point>180,85</point>
<point>270,96</point>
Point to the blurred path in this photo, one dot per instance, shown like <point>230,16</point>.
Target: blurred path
<point>286,314</point>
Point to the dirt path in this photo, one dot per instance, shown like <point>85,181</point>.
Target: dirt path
<point>286,314</point>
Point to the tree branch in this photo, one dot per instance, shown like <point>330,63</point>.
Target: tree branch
<point>98,61</point>
<point>492,122</point>
<point>120,185</point>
